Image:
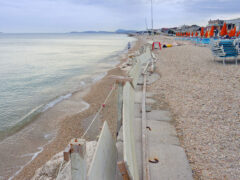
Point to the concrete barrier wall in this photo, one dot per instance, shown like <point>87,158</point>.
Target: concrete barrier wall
<point>103,165</point>
<point>145,56</point>
<point>129,153</point>
<point>135,72</point>
<point>136,69</point>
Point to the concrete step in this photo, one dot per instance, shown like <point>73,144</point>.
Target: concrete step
<point>162,133</point>
<point>159,115</point>
<point>172,165</point>
<point>164,145</point>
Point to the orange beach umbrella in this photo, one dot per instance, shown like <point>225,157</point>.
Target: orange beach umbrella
<point>211,31</point>
<point>192,34</point>
<point>224,30</point>
<point>238,34</point>
<point>196,34</point>
<point>206,34</point>
<point>231,33</point>
<point>234,31</point>
<point>202,31</point>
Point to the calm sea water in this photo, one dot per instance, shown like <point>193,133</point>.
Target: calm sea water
<point>39,70</point>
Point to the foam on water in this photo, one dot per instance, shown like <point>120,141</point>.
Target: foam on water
<point>56,101</point>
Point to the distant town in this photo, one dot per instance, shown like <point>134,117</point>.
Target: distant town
<point>218,24</point>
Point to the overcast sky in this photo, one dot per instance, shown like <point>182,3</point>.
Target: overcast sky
<point>81,15</point>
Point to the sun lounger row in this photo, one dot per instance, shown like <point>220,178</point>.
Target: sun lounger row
<point>224,48</point>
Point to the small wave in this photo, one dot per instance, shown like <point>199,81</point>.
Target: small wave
<point>34,155</point>
<point>98,77</point>
<point>56,101</point>
<point>29,117</point>
<point>82,83</point>
<point>21,123</point>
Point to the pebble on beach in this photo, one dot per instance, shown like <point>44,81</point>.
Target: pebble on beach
<point>204,97</point>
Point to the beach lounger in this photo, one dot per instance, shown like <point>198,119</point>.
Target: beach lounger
<point>224,49</point>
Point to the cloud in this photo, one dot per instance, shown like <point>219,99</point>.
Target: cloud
<point>79,15</point>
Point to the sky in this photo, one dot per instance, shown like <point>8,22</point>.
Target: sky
<point>59,16</point>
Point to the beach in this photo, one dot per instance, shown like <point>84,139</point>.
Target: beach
<point>74,125</point>
<point>203,97</point>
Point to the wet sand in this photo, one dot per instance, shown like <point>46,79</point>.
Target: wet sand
<point>75,124</point>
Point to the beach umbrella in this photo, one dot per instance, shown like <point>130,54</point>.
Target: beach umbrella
<point>202,31</point>
<point>238,34</point>
<point>206,34</point>
<point>224,30</point>
<point>196,34</point>
<point>234,31</point>
<point>230,34</point>
<point>211,31</point>
<point>192,34</point>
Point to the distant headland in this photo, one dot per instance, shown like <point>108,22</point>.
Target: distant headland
<point>119,31</point>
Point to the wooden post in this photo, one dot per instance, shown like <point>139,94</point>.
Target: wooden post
<point>78,159</point>
<point>123,170</point>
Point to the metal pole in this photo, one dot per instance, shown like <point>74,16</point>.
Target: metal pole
<point>152,17</point>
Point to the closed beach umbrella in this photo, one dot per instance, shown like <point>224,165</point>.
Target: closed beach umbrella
<point>196,34</point>
<point>211,31</point>
<point>234,31</point>
<point>202,31</point>
<point>192,34</point>
<point>230,34</point>
<point>238,34</point>
<point>206,34</point>
<point>224,30</point>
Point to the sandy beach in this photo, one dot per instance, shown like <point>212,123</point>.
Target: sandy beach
<point>74,125</point>
<point>203,97</point>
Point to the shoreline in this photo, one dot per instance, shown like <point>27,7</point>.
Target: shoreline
<point>71,126</point>
<point>85,83</point>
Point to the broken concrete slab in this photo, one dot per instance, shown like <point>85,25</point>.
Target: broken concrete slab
<point>159,115</point>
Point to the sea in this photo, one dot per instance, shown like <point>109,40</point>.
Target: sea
<point>37,73</point>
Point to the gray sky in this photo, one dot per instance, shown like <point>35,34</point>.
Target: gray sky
<point>81,15</point>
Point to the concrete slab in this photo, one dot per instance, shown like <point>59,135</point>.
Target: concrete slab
<point>140,80</point>
<point>172,165</point>
<point>137,110</point>
<point>152,78</point>
<point>138,97</point>
<point>149,95</point>
<point>159,115</point>
<point>120,134</point>
<point>162,133</point>
<point>138,143</point>
<point>150,101</point>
